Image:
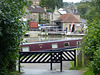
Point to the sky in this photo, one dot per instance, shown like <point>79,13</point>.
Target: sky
<point>71,1</point>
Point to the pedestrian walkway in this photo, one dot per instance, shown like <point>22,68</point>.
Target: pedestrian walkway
<point>47,72</point>
<point>44,69</point>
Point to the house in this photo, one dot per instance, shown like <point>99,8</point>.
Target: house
<point>69,22</point>
<point>58,12</point>
<point>33,15</point>
<point>73,10</point>
<point>34,12</point>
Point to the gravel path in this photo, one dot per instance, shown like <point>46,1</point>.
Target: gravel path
<point>44,69</point>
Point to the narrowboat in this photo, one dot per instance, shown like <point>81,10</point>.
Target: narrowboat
<point>49,45</point>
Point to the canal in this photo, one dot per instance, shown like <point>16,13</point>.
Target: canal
<point>46,38</point>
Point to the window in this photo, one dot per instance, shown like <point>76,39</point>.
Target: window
<point>78,43</point>
<point>54,45</point>
<point>66,44</point>
<point>30,15</point>
<point>35,20</point>
<point>25,49</point>
<point>41,15</point>
<point>34,14</point>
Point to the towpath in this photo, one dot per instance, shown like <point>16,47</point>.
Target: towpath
<point>44,69</point>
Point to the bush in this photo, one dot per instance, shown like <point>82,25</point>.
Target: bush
<point>91,46</point>
<point>11,30</point>
<point>95,64</point>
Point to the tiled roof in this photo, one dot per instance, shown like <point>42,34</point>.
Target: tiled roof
<point>69,18</point>
<point>36,10</point>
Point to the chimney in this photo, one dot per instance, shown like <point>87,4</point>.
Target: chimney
<point>45,9</point>
<point>55,8</point>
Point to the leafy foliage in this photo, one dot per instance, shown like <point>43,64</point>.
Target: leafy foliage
<point>83,8</point>
<point>50,4</point>
<point>91,40</point>
<point>95,64</point>
<point>91,43</point>
<point>65,4</point>
<point>29,3</point>
<point>49,10</point>
<point>11,28</point>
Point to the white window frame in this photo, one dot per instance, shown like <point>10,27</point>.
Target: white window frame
<point>54,47</point>
<point>28,49</point>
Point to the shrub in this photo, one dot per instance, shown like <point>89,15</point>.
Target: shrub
<point>11,30</point>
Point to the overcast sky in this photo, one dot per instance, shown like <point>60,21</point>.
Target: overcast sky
<point>71,1</point>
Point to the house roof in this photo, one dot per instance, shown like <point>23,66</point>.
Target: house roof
<point>63,12</point>
<point>36,10</point>
<point>69,18</point>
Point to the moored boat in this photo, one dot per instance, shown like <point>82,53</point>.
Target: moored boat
<point>49,45</point>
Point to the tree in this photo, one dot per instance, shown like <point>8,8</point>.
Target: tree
<point>60,3</point>
<point>43,3</point>
<point>11,29</point>
<point>91,42</point>
<point>29,3</point>
<point>83,8</point>
<point>50,4</point>
<point>65,4</point>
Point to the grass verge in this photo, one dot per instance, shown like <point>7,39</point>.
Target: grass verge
<point>83,69</point>
<point>14,73</point>
<point>89,72</point>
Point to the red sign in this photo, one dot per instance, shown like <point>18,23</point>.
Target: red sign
<point>33,24</point>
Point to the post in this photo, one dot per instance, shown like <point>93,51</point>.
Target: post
<point>79,58</point>
<point>19,62</point>
<point>75,58</point>
<point>51,61</point>
<point>61,61</point>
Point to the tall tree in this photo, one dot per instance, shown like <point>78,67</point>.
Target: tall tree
<point>42,3</point>
<point>65,4</point>
<point>83,8</point>
<point>11,29</point>
<point>50,4</point>
<point>60,3</point>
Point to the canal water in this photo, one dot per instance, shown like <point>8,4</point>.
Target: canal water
<point>47,38</point>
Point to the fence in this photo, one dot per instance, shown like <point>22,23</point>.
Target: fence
<point>48,57</point>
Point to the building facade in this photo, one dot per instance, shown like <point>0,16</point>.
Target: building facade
<point>33,13</point>
<point>69,23</point>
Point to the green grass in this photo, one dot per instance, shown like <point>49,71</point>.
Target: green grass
<point>74,68</point>
<point>89,72</point>
<point>83,69</point>
<point>14,73</point>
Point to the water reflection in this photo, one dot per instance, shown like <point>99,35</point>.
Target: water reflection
<point>46,38</point>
